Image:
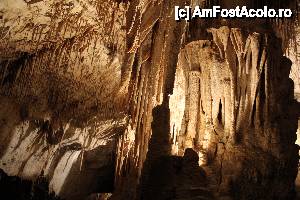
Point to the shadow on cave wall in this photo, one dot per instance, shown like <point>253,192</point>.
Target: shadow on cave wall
<point>165,176</point>
<point>13,187</point>
<point>94,176</point>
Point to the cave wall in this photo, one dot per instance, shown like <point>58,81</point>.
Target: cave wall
<point>100,95</point>
<point>75,161</point>
<point>232,103</point>
<point>60,66</point>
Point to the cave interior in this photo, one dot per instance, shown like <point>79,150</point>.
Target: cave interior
<point>115,100</point>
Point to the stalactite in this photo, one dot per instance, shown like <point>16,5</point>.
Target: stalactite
<point>243,75</point>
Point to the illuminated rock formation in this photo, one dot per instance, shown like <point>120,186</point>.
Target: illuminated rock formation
<point>117,97</point>
<point>232,103</point>
<point>231,86</point>
<point>60,73</point>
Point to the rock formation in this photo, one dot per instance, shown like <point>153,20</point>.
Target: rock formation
<point>117,97</point>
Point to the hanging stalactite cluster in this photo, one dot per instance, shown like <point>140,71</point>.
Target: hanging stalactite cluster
<point>76,46</point>
<point>149,77</point>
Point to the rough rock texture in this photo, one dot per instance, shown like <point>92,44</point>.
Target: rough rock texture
<point>232,103</point>
<point>60,71</point>
<point>116,96</point>
<point>154,46</point>
<point>76,161</point>
<point>240,112</point>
